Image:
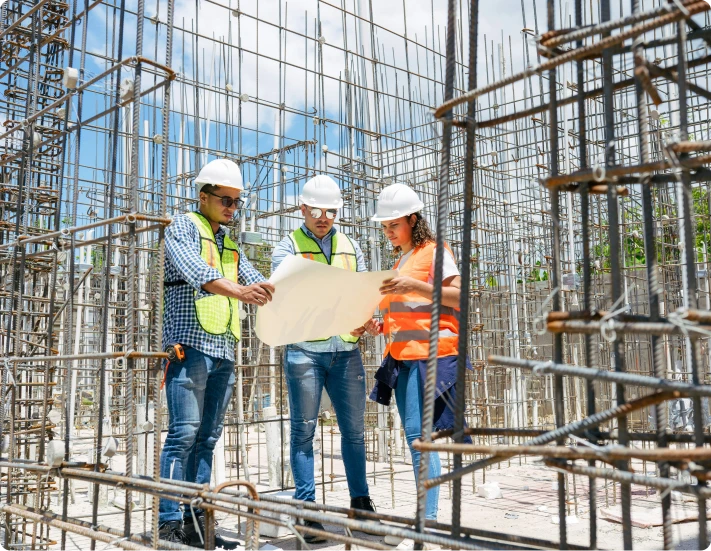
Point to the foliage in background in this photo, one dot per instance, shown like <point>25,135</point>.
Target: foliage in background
<point>667,244</point>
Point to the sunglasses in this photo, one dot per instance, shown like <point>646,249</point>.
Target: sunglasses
<point>227,202</point>
<point>317,212</point>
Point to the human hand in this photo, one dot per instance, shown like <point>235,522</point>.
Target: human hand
<point>358,332</point>
<point>257,293</point>
<point>373,327</point>
<point>399,285</point>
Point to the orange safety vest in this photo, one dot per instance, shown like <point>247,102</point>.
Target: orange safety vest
<point>407,318</point>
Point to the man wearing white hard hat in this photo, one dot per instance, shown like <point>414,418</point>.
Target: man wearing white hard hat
<point>332,363</point>
<point>206,278</point>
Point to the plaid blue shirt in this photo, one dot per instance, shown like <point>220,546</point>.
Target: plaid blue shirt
<point>183,262</point>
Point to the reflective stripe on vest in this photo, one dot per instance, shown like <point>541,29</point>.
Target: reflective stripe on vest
<point>407,318</point>
<point>343,256</point>
<point>215,313</point>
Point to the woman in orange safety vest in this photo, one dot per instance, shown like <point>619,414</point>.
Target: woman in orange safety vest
<point>407,315</point>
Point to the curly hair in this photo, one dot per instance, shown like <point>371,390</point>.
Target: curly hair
<point>421,232</point>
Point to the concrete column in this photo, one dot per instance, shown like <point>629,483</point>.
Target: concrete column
<point>275,441</point>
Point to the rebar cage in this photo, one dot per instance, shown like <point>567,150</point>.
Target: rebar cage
<point>574,194</point>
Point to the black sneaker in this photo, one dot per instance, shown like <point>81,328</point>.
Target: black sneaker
<point>197,539</point>
<point>313,538</point>
<point>173,531</point>
<point>363,503</point>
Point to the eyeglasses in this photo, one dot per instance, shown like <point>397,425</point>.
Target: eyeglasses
<point>227,202</point>
<point>317,212</point>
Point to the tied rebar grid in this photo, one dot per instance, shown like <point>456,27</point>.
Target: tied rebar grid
<point>621,322</point>
<point>92,172</point>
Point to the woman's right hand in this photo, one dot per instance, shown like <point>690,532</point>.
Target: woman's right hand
<point>373,327</point>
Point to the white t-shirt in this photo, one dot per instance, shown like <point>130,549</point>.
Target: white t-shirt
<point>448,270</point>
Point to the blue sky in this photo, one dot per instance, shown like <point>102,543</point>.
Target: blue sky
<point>217,67</point>
<point>292,84</point>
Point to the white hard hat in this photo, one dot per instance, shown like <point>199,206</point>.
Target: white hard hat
<point>395,201</point>
<point>323,192</point>
<point>220,172</point>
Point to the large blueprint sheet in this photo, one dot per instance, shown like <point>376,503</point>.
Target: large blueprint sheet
<point>315,301</point>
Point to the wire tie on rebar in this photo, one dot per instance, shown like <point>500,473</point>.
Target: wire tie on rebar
<point>685,325</point>
<point>290,526</point>
<point>121,360</point>
<point>539,320</point>
<point>672,157</point>
<point>676,320</point>
<point>131,218</point>
<point>46,478</point>
<point>607,323</point>
<point>112,543</point>
<point>196,503</point>
<point>607,330</point>
<point>587,443</point>
<point>599,173</point>
<point>539,370</point>
<point>665,493</point>
<point>681,7</point>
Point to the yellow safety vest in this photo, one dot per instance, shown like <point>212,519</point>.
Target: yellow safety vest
<point>343,256</point>
<point>216,313</point>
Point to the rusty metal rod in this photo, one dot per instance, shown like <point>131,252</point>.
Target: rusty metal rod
<point>566,430</point>
<point>603,375</point>
<point>645,327</point>
<point>572,55</point>
<point>606,454</point>
<point>631,478</point>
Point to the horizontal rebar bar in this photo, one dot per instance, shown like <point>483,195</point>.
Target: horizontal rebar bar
<point>592,374</point>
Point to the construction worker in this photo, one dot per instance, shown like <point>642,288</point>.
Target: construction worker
<point>332,363</point>
<point>206,278</point>
<point>407,315</point>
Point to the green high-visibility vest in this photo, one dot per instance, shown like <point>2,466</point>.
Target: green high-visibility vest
<point>217,314</point>
<point>343,256</point>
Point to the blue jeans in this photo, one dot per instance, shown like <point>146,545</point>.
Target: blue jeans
<point>408,396</point>
<point>343,375</point>
<point>198,391</point>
